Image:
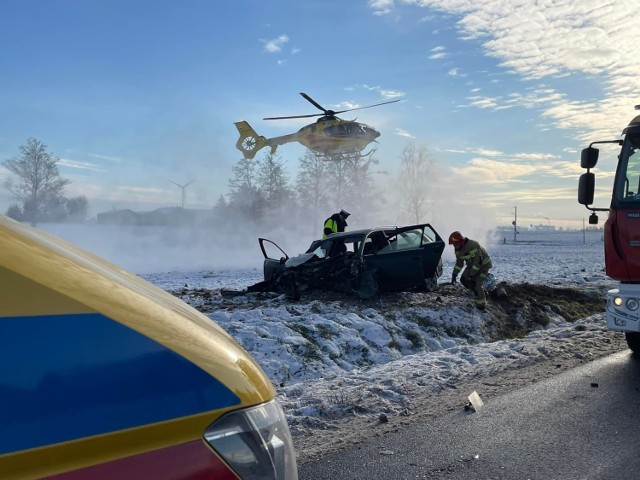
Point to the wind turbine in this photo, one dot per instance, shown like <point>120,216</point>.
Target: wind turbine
<point>184,195</point>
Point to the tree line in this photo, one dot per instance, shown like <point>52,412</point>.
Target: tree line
<point>260,190</point>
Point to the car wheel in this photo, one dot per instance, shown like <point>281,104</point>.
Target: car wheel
<point>430,284</point>
<point>368,286</point>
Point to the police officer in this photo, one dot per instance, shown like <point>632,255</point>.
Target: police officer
<point>335,223</point>
<point>478,263</point>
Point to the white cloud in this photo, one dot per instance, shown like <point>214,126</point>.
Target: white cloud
<point>484,102</point>
<point>392,94</point>
<point>540,39</point>
<point>275,45</point>
<point>65,162</point>
<point>403,133</point>
<point>487,153</point>
<point>381,7</point>
<point>347,105</point>
<point>483,170</point>
<point>109,158</point>
<point>438,52</point>
<point>386,94</point>
<point>455,72</point>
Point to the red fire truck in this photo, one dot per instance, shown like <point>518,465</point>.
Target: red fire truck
<point>621,230</point>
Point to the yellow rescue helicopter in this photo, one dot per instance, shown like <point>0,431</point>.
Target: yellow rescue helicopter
<point>329,135</point>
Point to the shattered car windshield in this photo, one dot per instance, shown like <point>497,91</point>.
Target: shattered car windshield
<point>333,247</point>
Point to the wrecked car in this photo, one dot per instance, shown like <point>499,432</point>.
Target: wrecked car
<point>363,262</point>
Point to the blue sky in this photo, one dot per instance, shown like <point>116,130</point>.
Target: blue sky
<point>134,94</point>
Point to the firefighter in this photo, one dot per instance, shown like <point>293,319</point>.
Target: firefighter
<point>478,263</point>
<point>335,223</point>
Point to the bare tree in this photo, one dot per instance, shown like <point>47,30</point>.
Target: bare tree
<point>39,185</point>
<point>351,183</point>
<point>312,182</point>
<point>417,182</point>
<point>245,195</point>
<point>312,185</point>
<point>361,193</point>
<point>273,182</point>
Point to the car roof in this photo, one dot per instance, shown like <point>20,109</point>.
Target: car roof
<point>365,231</point>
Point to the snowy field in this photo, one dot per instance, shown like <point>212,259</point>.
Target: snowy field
<point>563,258</point>
<point>333,360</point>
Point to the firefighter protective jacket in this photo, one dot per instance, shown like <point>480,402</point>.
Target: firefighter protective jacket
<point>474,255</point>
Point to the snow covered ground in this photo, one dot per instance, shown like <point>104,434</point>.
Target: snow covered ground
<point>336,360</point>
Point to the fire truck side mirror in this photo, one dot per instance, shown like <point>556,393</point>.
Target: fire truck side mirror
<point>593,219</point>
<point>589,157</point>
<point>586,188</point>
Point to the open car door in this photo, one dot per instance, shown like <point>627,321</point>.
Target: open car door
<point>432,248</point>
<point>274,258</point>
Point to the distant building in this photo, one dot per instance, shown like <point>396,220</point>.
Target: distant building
<point>118,217</point>
<point>543,228</point>
<point>161,217</point>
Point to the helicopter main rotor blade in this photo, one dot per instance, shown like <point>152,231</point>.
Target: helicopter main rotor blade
<point>362,108</point>
<point>313,102</point>
<point>328,113</point>
<point>295,116</point>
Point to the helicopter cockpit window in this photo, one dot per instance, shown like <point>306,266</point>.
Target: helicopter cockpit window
<point>340,130</point>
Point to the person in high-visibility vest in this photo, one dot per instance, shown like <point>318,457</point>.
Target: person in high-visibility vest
<point>335,223</point>
<point>478,263</point>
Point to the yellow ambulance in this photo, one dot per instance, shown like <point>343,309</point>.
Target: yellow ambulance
<point>104,376</point>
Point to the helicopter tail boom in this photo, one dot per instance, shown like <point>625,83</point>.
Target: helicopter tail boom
<point>249,141</point>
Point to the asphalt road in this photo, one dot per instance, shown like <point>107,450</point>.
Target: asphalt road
<point>581,424</point>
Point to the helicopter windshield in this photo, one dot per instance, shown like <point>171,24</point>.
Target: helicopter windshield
<point>627,187</point>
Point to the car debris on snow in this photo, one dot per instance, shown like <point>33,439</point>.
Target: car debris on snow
<point>475,403</point>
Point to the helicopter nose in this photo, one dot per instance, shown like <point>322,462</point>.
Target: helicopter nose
<point>371,133</point>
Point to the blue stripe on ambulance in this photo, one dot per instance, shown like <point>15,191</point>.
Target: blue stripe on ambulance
<point>102,378</point>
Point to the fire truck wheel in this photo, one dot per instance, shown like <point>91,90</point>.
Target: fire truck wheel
<point>633,340</point>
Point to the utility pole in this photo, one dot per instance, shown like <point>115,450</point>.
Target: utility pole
<point>184,195</point>
<point>515,224</point>
<point>584,237</point>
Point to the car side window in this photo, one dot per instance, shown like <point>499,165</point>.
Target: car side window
<point>429,235</point>
<point>409,239</point>
<point>377,242</point>
<point>369,247</point>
